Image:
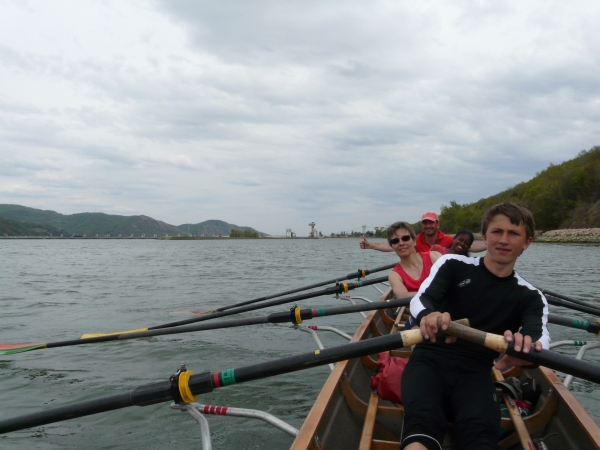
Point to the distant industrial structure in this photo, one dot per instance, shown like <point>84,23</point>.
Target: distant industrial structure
<point>313,231</point>
<point>289,233</point>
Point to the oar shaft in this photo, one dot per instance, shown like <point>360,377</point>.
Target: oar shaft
<point>574,322</point>
<point>562,363</point>
<point>569,299</point>
<point>358,274</point>
<point>547,358</point>
<point>206,382</point>
<point>280,301</point>
<point>66,412</point>
<point>565,304</point>
<point>279,317</point>
<point>216,325</point>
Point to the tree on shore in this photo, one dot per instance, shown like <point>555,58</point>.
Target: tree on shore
<point>562,196</point>
<point>244,234</point>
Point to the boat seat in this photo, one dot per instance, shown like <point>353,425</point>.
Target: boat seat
<point>367,441</point>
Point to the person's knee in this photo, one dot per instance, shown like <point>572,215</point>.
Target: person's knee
<point>420,442</point>
<point>476,433</point>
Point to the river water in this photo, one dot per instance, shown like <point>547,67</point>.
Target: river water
<point>53,290</point>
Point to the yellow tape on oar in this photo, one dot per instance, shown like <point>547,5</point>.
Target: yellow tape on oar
<point>345,287</point>
<point>184,387</point>
<point>297,313</point>
<point>598,333</point>
<point>87,336</point>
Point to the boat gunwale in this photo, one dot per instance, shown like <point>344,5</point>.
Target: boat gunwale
<point>305,436</point>
<point>576,409</point>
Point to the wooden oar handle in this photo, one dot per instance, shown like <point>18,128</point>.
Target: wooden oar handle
<point>489,340</point>
<point>412,337</point>
<point>440,333</point>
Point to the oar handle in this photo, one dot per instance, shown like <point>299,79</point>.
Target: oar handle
<point>489,340</point>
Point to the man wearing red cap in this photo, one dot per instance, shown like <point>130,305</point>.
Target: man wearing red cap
<point>430,236</point>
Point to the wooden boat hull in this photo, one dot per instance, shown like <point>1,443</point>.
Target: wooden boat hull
<point>345,414</point>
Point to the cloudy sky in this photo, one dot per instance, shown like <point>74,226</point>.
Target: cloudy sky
<point>272,114</point>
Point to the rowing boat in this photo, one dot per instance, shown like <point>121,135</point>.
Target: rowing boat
<point>348,414</point>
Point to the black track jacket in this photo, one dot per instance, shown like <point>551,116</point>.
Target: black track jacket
<point>465,288</point>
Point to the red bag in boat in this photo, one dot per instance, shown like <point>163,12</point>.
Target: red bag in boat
<point>389,378</point>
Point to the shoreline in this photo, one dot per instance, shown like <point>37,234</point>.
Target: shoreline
<point>572,236</point>
<point>569,236</point>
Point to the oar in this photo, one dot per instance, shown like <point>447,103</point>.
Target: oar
<point>101,337</point>
<point>577,307</point>
<point>295,316</point>
<point>360,273</point>
<point>569,299</point>
<point>550,359</point>
<point>187,386</point>
<point>339,289</point>
<point>190,386</point>
<point>574,322</point>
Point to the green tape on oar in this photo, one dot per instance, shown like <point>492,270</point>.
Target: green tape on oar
<point>10,349</point>
<point>579,323</point>
<point>228,377</point>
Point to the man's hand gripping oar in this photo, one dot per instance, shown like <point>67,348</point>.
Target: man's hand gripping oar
<point>436,322</point>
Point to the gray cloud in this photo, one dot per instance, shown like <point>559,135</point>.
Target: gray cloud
<point>274,114</point>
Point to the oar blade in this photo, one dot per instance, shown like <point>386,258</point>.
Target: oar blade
<point>93,335</point>
<point>10,349</point>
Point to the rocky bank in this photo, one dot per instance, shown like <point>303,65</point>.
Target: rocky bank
<point>579,235</point>
<point>591,235</point>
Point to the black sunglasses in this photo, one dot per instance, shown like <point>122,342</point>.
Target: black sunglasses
<point>404,238</point>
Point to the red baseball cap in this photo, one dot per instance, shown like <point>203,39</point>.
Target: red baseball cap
<point>430,215</point>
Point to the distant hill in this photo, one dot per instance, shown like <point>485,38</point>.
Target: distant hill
<point>213,228</point>
<point>23,221</point>
<point>14,228</point>
<point>562,196</point>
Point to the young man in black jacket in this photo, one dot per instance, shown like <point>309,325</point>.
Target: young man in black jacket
<point>449,380</point>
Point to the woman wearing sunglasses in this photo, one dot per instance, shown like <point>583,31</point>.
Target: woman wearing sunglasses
<point>413,267</point>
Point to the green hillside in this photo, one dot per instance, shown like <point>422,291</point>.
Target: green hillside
<point>562,196</point>
<point>14,228</point>
<point>89,223</point>
<point>23,221</point>
<point>213,228</point>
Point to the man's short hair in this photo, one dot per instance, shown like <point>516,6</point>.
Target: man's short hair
<point>518,215</point>
<point>397,226</point>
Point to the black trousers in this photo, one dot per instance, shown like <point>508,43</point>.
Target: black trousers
<point>438,388</point>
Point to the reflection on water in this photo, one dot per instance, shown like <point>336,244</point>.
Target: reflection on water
<point>57,290</point>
